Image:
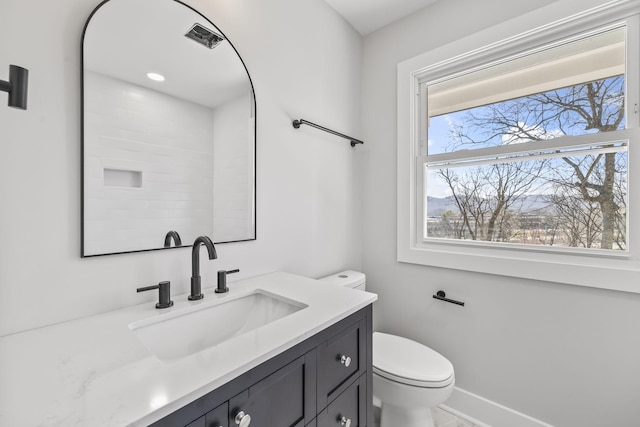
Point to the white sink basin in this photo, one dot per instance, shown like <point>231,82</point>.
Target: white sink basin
<point>184,332</point>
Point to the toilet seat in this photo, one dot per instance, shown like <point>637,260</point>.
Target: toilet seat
<point>409,362</point>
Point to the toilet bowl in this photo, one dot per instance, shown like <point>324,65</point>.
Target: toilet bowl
<point>409,378</point>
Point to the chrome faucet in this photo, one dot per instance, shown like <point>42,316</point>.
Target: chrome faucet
<point>196,286</point>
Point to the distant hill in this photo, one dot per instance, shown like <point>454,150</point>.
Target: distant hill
<point>436,205</point>
<point>528,204</point>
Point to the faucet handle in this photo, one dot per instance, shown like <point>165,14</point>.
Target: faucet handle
<point>164,293</point>
<point>222,280</point>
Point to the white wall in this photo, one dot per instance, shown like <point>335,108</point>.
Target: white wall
<point>304,61</point>
<point>563,354</point>
<point>164,139</point>
<point>233,166</point>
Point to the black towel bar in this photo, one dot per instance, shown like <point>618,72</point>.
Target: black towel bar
<point>441,296</point>
<point>297,123</point>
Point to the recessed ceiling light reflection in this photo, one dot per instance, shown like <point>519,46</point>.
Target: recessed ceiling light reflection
<point>156,77</point>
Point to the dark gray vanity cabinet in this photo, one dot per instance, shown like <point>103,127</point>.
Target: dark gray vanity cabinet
<point>344,361</point>
<point>349,408</point>
<point>214,418</point>
<point>218,417</point>
<point>325,381</point>
<point>284,398</point>
<point>342,358</point>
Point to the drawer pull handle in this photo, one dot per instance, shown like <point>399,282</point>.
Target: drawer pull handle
<point>345,360</point>
<point>346,422</point>
<point>242,419</point>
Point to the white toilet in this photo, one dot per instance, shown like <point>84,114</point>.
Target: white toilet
<point>408,378</point>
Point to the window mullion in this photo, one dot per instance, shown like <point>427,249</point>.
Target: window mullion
<point>633,72</point>
<point>622,147</point>
<point>560,143</point>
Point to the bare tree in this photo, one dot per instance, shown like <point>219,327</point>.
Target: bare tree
<point>485,195</point>
<point>581,219</point>
<point>450,225</point>
<point>596,106</point>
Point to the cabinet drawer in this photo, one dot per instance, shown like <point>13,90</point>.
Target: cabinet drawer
<point>341,359</point>
<point>348,409</point>
<point>219,417</point>
<point>215,418</point>
<point>285,398</point>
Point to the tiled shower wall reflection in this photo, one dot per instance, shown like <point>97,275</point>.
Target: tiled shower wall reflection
<point>149,167</point>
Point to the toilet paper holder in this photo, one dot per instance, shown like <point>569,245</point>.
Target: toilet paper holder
<point>442,297</point>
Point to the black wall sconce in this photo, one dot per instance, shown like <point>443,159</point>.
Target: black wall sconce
<point>16,86</point>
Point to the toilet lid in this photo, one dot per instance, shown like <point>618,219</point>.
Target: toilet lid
<point>403,360</point>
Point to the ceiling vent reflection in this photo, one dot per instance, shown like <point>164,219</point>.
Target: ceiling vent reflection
<point>204,36</point>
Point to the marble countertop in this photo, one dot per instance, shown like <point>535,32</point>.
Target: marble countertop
<point>95,372</point>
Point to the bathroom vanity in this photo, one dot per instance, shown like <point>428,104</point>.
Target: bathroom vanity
<point>310,365</point>
<point>324,381</point>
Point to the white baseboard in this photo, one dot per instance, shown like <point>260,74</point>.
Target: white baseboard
<point>486,413</point>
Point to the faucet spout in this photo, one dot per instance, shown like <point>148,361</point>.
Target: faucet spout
<point>172,235</point>
<point>196,282</point>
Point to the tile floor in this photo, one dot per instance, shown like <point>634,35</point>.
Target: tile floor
<point>441,418</point>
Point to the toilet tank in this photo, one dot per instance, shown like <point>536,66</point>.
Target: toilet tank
<point>347,278</point>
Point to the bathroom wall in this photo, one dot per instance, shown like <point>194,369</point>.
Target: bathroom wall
<point>233,176</point>
<point>166,142</point>
<point>562,354</point>
<point>304,61</point>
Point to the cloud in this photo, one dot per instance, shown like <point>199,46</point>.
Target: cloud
<point>524,133</point>
<point>449,120</point>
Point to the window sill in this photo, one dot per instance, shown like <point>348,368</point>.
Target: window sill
<point>612,274</point>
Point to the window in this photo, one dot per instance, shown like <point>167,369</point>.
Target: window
<point>554,193</point>
<point>520,151</point>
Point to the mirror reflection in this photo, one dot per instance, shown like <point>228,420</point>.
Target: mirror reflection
<point>168,130</point>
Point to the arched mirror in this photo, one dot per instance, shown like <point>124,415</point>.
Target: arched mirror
<point>168,130</point>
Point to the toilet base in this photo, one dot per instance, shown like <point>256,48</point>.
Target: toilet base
<point>394,416</point>
<point>403,405</point>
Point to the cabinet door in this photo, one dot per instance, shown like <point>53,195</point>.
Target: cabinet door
<point>341,359</point>
<point>349,409</point>
<point>219,417</point>
<point>285,398</point>
<point>200,422</point>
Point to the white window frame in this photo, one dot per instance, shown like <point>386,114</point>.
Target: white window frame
<point>600,269</point>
